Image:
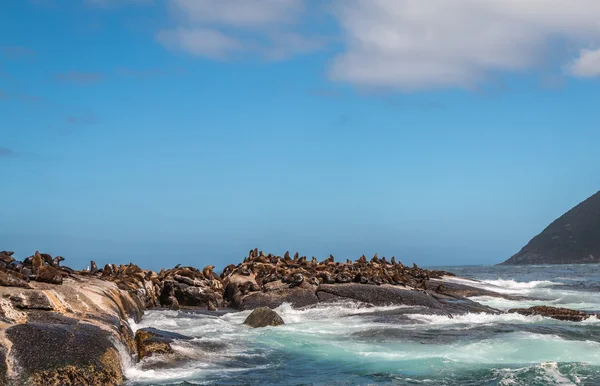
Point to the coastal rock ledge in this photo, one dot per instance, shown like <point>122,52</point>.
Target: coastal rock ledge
<point>69,334</point>
<point>61,327</point>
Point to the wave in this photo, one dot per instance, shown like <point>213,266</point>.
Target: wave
<point>475,319</point>
<point>546,373</point>
<point>516,285</point>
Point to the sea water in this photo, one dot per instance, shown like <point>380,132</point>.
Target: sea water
<point>350,344</point>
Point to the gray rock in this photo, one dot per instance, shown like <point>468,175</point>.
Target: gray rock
<point>72,353</point>
<point>3,369</point>
<point>263,317</point>
<point>554,313</point>
<point>33,300</point>
<point>196,297</point>
<point>151,341</point>
<point>297,297</point>
<point>381,295</point>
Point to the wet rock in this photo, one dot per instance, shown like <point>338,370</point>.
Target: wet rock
<point>554,313</point>
<point>196,296</point>
<point>151,341</point>
<point>463,290</point>
<point>381,295</point>
<point>263,317</point>
<point>459,305</point>
<point>325,297</point>
<point>297,297</point>
<point>67,354</point>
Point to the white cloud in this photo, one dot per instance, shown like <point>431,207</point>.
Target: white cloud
<point>587,64</point>
<point>240,13</point>
<point>226,28</point>
<point>418,44</point>
<point>200,41</point>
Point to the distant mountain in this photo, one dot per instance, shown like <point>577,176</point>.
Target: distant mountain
<point>574,238</point>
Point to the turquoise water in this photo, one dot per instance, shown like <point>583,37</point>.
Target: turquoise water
<point>348,344</point>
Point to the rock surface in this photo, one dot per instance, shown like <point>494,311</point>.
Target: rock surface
<point>380,295</point>
<point>64,312</point>
<point>151,341</point>
<point>296,297</point>
<point>65,353</point>
<point>554,313</point>
<point>68,334</point>
<point>263,317</point>
<point>574,238</point>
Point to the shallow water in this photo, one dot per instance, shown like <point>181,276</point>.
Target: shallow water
<point>349,344</point>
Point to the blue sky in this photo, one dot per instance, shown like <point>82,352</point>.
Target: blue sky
<point>165,132</point>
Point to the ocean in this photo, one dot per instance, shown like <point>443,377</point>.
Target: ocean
<point>349,344</point>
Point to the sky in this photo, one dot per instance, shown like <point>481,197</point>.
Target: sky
<point>191,131</point>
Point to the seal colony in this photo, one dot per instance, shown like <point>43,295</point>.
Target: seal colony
<point>50,313</point>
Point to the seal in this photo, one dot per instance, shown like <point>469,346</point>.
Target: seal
<point>48,274</point>
<point>93,267</point>
<point>37,262</point>
<point>6,257</point>
<point>107,271</point>
<point>16,266</point>
<point>47,258</point>
<point>56,261</point>
<point>296,280</point>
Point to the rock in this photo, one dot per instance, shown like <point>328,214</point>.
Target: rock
<point>554,313</point>
<point>173,303</point>
<point>463,290</point>
<point>571,239</point>
<point>32,299</point>
<point>263,317</point>
<point>151,341</point>
<point>3,368</point>
<point>297,297</point>
<point>381,295</point>
<point>196,296</point>
<point>167,294</point>
<point>67,354</point>
<point>188,281</point>
<point>325,297</point>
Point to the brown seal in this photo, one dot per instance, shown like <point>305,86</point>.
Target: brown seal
<point>37,262</point>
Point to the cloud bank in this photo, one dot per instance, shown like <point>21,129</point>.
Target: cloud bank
<point>230,28</point>
<point>415,44</point>
<point>402,45</point>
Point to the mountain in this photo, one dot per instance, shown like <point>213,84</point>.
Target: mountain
<point>574,238</point>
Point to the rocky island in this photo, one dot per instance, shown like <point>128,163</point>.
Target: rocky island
<point>573,238</point>
<point>59,326</point>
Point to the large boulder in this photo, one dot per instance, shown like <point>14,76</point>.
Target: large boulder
<point>380,295</point>
<point>151,341</point>
<point>263,317</point>
<point>297,297</point>
<point>67,353</point>
<point>554,313</point>
<point>191,296</point>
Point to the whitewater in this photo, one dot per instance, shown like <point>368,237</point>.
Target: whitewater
<point>351,344</point>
